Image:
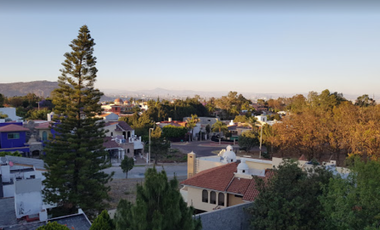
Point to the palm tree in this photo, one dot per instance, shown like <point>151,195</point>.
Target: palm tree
<point>221,127</point>
<point>191,123</point>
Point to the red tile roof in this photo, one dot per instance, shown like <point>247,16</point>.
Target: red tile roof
<point>123,125</point>
<point>302,158</point>
<point>239,185</point>
<point>13,128</point>
<point>45,125</point>
<point>217,178</point>
<point>251,192</point>
<point>109,143</point>
<point>222,178</point>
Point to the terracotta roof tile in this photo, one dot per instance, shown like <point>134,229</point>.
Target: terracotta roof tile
<point>239,185</point>
<point>45,125</point>
<point>109,143</point>
<point>124,126</point>
<point>13,128</point>
<point>217,178</point>
<point>252,192</point>
<point>302,158</point>
<point>222,178</point>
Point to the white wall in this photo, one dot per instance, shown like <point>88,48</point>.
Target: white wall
<point>31,203</point>
<point>9,190</point>
<point>11,112</point>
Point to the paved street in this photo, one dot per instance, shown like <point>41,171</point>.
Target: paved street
<point>201,148</point>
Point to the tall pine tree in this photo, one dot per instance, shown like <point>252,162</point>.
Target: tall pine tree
<point>75,155</point>
<point>159,206</point>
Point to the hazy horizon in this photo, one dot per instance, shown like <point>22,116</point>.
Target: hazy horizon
<point>285,48</point>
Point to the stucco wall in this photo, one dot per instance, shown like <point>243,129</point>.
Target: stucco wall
<point>194,198</point>
<point>205,164</point>
<point>233,200</point>
<point>259,165</point>
<point>231,218</point>
<point>11,143</point>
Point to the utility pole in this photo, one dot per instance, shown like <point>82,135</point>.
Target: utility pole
<point>261,139</point>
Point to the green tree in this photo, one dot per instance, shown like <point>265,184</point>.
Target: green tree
<point>159,206</point>
<point>248,139</point>
<point>103,222</point>
<point>127,165</point>
<point>158,144</point>
<point>354,202</point>
<point>53,226</point>
<point>365,101</point>
<point>220,127</point>
<point>2,100</point>
<point>15,154</point>
<point>289,200</point>
<point>2,115</point>
<point>191,123</point>
<point>174,132</point>
<point>76,157</point>
<point>36,114</point>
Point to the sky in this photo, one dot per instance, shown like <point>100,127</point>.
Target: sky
<point>245,46</point>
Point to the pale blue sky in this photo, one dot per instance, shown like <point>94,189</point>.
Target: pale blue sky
<point>221,46</point>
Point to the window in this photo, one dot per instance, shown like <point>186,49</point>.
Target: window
<point>44,136</point>
<point>13,136</point>
<point>213,197</point>
<point>204,196</point>
<point>221,199</point>
<point>111,134</point>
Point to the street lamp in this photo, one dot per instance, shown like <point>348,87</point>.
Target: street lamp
<point>261,137</point>
<point>148,156</point>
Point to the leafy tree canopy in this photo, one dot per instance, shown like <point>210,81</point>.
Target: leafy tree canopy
<point>289,200</point>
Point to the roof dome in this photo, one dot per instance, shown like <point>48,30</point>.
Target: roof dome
<point>242,168</point>
<point>118,101</point>
<point>229,155</point>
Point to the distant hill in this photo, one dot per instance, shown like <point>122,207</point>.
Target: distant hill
<point>40,88</point>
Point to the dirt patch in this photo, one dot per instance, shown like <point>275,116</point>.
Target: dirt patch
<point>126,189</point>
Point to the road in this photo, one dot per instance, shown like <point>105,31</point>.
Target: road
<point>201,148</point>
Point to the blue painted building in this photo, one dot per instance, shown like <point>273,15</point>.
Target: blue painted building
<point>13,137</point>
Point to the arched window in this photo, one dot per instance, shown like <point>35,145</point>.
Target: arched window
<point>213,197</point>
<point>205,196</point>
<point>127,150</point>
<point>44,136</point>
<point>221,199</point>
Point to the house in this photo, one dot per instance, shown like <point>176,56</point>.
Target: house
<point>13,137</point>
<point>222,181</point>
<point>11,113</point>
<point>110,116</point>
<point>162,124</point>
<point>237,128</point>
<point>124,136</point>
<point>226,180</point>
<point>21,199</point>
